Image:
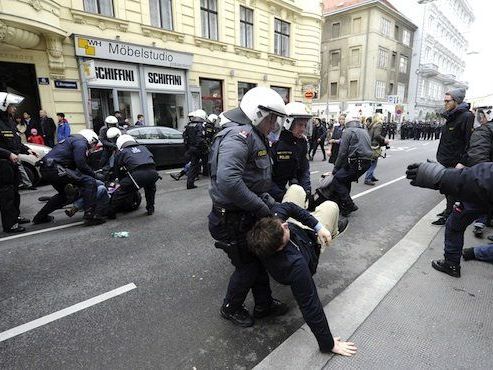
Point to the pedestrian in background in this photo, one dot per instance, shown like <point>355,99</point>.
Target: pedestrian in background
<point>21,128</point>
<point>377,139</point>
<point>335,139</point>
<point>63,129</point>
<point>34,138</point>
<point>318,137</point>
<point>140,120</point>
<point>47,128</point>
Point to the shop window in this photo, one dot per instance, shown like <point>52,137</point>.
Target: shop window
<point>208,15</point>
<point>246,27</point>
<point>283,91</point>
<point>161,14</point>
<point>103,7</point>
<point>243,87</point>
<point>281,37</point>
<point>212,95</point>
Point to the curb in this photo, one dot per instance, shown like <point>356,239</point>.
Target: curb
<point>349,309</point>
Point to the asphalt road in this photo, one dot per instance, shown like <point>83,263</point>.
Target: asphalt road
<point>171,318</point>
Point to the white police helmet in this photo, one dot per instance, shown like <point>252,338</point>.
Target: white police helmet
<point>223,120</point>
<point>89,135</point>
<point>295,110</point>
<point>259,102</point>
<point>7,98</point>
<point>113,132</point>
<point>123,140</point>
<point>111,121</point>
<point>212,117</point>
<point>200,113</point>
<point>487,112</point>
<point>191,114</point>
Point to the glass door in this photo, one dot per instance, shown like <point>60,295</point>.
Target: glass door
<point>129,106</point>
<point>101,107</point>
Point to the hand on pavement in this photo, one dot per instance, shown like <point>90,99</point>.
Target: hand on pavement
<point>343,348</point>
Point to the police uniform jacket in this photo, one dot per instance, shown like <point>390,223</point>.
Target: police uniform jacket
<point>9,139</point>
<point>355,144</point>
<point>7,173</point>
<point>194,136</point>
<point>455,135</point>
<point>133,156</point>
<point>289,162</point>
<point>70,153</point>
<point>108,145</point>
<point>241,168</point>
<point>295,264</point>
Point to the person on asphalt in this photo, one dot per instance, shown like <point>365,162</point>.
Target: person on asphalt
<point>353,160</point>
<point>135,169</point>
<point>64,167</point>
<point>472,186</point>
<point>335,139</point>
<point>289,154</point>
<point>11,145</point>
<point>108,138</point>
<point>194,140</point>
<point>48,128</point>
<point>317,139</point>
<point>241,172</point>
<point>455,138</point>
<point>290,252</point>
<point>480,149</point>
<point>377,140</point>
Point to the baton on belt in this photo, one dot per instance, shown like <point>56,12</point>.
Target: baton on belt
<point>131,178</point>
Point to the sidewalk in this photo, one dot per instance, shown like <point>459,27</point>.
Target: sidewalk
<point>425,320</point>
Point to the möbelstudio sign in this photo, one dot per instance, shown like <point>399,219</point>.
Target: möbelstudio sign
<point>92,47</point>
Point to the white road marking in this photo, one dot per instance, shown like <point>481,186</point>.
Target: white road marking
<point>377,187</point>
<point>41,231</point>
<point>65,312</point>
<point>314,172</point>
<point>413,148</point>
<point>424,144</point>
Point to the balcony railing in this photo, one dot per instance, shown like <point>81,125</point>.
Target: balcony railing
<point>428,70</point>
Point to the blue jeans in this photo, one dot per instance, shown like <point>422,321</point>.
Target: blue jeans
<point>101,196</point>
<point>458,221</point>
<point>369,174</point>
<point>484,253</point>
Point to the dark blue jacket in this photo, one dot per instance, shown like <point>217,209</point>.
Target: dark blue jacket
<point>289,163</point>
<point>295,264</point>
<point>132,156</point>
<point>71,153</point>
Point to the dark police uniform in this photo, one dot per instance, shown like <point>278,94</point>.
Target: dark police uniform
<point>295,264</point>
<point>108,147</point>
<point>10,141</point>
<point>136,160</point>
<point>208,132</point>
<point>194,140</point>
<point>241,171</point>
<point>336,135</point>
<point>290,164</point>
<point>66,164</point>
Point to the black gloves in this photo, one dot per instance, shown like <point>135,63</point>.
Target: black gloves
<point>425,175</point>
<point>268,200</point>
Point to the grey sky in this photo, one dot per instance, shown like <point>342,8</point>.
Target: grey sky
<point>479,71</point>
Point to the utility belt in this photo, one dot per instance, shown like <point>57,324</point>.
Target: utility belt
<point>149,166</point>
<point>358,163</point>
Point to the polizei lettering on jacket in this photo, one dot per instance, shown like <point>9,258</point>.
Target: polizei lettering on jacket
<point>163,79</point>
<point>139,52</point>
<point>116,74</point>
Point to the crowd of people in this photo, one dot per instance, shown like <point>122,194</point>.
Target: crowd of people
<point>266,215</point>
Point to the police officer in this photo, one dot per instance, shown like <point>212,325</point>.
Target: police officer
<point>208,131</point>
<point>240,173</point>
<point>194,140</point>
<point>289,153</point>
<point>108,142</point>
<point>67,164</point>
<point>135,169</point>
<point>11,145</point>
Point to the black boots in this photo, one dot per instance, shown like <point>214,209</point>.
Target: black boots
<point>276,308</point>
<point>452,269</point>
<point>468,254</point>
<point>238,316</point>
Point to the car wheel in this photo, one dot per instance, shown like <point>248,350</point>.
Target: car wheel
<point>31,173</point>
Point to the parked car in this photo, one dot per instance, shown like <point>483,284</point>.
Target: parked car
<point>29,161</point>
<point>165,143</point>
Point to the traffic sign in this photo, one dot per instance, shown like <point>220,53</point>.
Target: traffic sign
<point>393,99</point>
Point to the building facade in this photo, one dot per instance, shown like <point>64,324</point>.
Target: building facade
<point>366,57</point>
<point>162,58</point>
<point>440,49</point>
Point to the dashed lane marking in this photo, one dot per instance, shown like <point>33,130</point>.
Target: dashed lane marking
<point>65,312</point>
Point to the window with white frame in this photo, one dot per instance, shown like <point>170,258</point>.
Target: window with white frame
<point>401,89</point>
<point>103,7</point>
<point>403,64</point>
<point>281,37</point>
<point>246,27</point>
<point>385,26</point>
<point>383,58</point>
<point>379,89</point>
<point>161,14</point>
<point>208,16</point>
<point>406,37</point>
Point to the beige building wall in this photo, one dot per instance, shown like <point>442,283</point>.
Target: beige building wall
<point>51,25</point>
